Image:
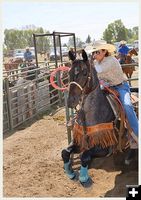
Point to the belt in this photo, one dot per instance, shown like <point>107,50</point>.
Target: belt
<point>120,83</point>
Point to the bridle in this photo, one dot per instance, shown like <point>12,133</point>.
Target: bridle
<point>78,85</point>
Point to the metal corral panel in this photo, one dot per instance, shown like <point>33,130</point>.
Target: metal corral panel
<point>6,125</point>
<point>25,97</point>
<point>23,103</point>
<point>43,102</point>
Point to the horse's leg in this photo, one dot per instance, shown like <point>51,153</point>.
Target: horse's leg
<point>67,162</point>
<point>86,157</point>
<point>85,160</point>
<point>129,77</point>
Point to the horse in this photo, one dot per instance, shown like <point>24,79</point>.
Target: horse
<point>12,65</point>
<point>96,127</point>
<point>128,70</point>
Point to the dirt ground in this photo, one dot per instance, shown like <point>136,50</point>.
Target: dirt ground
<point>33,166</point>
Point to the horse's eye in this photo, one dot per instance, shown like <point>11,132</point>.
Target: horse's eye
<point>85,72</point>
<point>76,71</point>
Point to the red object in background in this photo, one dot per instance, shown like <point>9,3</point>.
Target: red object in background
<point>53,74</point>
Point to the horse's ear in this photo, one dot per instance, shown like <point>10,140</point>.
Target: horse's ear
<point>71,56</point>
<point>84,55</point>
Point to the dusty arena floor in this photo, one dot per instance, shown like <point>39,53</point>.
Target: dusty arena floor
<point>33,166</point>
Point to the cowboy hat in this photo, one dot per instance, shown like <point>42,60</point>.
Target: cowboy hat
<point>98,42</point>
<point>123,42</point>
<point>109,47</point>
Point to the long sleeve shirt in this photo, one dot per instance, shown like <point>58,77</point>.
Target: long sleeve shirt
<point>109,70</point>
<point>123,50</point>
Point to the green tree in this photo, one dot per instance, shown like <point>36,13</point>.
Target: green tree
<point>70,42</point>
<point>88,40</point>
<point>129,36</point>
<point>115,31</point>
<point>19,39</point>
<point>79,42</point>
<point>13,39</point>
<point>132,34</point>
<point>135,31</point>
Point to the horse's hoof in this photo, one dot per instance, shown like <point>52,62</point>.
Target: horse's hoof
<point>88,183</point>
<point>74,177</point>
<point>130,157</point>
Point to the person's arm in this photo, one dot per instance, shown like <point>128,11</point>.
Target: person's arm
<point>30,55</point>
<point>127,48</point>
<point>109,64</point>
<point>120,50</point>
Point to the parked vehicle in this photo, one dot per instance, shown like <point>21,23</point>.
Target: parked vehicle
<point>52,56</point>
<point>65,51</point>
<point>19,55</point>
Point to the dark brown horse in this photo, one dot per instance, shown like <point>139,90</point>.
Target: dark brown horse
<point>94,133</point>
<point>128,70</point>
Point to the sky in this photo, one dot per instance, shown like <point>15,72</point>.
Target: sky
<point>81,18</point>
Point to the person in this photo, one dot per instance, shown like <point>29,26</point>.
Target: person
<point>122,51</point>
<point>28,55</point>
<point>109,70</point>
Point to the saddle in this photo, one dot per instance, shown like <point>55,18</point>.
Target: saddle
<point>113,98</point>
<point>120,118</point>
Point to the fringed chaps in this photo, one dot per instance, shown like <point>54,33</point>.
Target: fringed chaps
<point>100,134</point>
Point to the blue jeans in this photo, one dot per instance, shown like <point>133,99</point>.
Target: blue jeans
<point>124,92</point>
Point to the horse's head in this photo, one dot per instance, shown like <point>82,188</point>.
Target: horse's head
<point>133,52</point>
<point>79,76</point>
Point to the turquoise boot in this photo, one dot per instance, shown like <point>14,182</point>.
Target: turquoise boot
<point>83,177</point>
<point>69,171</point>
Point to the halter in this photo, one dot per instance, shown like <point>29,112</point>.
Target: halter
<point>78,85</point>
<point>75,83</point>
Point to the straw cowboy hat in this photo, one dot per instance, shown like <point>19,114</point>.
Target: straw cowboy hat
<point>98,42</point>
<point>123,42</point>
<point>27,48</point>
<point>109,47</point>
